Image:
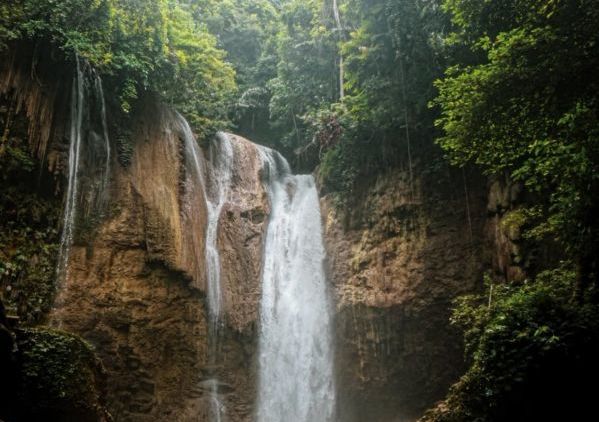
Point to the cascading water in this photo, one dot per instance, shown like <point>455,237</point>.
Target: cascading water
<point>89,160</point>
<point>219,175</point>
<point>295,381</point>
<point>68,223</point>
<point>219,172</point>
<point>100,93</point>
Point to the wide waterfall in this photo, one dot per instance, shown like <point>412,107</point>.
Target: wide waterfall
<point>295,380</point>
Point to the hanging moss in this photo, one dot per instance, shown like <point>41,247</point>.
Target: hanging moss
<point>29,217</point>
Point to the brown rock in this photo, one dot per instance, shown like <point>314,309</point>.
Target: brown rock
<point>395,270</point>
<point>137,292</point>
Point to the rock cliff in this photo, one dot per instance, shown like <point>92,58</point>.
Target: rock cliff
<point>137,290</point>
<point>397,260</point>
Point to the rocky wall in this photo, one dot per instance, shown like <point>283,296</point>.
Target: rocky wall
<point>137,290</point>
<point>396,262</point>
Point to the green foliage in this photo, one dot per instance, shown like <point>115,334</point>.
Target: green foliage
<point>7,30</point>
<point>246,30</point>
<point>288,57</point>
<point>28,235</point>
<point>56,369</point>
<point>527,344</point>
<point>525,101</point>
<point>203,83</point>
<point>340,171</point>
<point>139,46</point>
<point>306,78</point>
<point>76,25</point>
<point>390,63</point>
<point>521,99</point>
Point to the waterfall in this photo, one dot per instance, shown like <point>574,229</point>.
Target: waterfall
<point>77,95</point>
<point>100,95</point>
<point>193,154</point>
<point>295,380</point>
<point>88,161</point>
<point>220,171</point>
<point>215,183</point>
<point>219,176</point>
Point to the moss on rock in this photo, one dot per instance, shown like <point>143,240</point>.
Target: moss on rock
<point>57,377</point>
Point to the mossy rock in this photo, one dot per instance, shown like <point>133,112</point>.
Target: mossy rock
<point>58,377</point>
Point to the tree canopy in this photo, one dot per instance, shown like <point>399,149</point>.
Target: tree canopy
<point>143,45</point>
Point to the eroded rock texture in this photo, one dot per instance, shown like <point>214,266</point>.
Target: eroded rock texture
<point>137,290</point>
<point>396,262</point>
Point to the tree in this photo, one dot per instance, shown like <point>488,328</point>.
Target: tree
<point>138,45</point>
<point>390,64</point>
<point>525,101</point>
<point>307,73</point>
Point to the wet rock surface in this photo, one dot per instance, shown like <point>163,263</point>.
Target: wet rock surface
<point>137,291</point>
<point>396,262</point>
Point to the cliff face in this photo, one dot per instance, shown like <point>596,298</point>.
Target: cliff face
<point>136,284</point>
<point>137,291</point>
<point>396,262</point>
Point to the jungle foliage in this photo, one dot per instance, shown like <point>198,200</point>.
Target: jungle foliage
<point>29,235</point>
<point>507,86</point>
<point>520,97</point>
<point>528,345</point>
<point>523,98</point>
<point>139,46</point>
<point>52,375</point>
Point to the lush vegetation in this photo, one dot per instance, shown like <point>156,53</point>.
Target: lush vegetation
<point>530,346</point>
<point>29,221</point>
<point>523,98</point>
<point>520,98</point>
<point>359,87</point>
<point>139,46</point>
<point>55,375</point>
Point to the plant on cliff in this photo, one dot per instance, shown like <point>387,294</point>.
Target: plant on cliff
<point>59,377</point>
<point>138,46</point>
<point>28,235</point>
<point>529,345</point>
<point>523,98</point>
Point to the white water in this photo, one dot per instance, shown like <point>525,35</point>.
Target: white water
<point>68,222</point>
<point>100,93</point>
<point>193,154</point>
<point>219,176</point>
<point>219,172</point>
<point>295,381</point>
<point>88,157</point>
